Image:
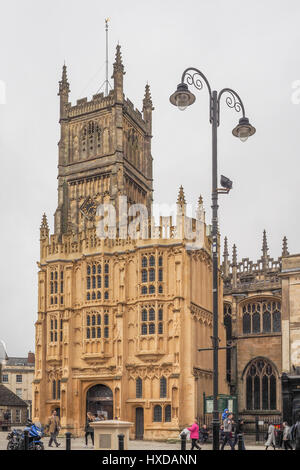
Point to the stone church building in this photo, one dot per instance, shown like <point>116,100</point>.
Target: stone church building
<point>120,319</point>
<point>262,320</point>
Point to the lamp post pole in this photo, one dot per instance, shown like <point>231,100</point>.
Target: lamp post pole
<point>183,98</point>
<point>215,338</point>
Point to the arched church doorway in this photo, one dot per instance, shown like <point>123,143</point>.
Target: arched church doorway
<point>99,401</point>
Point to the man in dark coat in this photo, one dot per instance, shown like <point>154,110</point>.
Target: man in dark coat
<point>53,426</point>
<point>295,433</point>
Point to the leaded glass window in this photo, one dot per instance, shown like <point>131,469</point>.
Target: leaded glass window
<point>228,328</point>
<point>168,413</point>
<point>157,414</point>
<point>163,387</point>
<point>262,316</point>
<point>139,388</point>
<point>261,386</point>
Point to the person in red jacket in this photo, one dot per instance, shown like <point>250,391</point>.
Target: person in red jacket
<point>194,434</point>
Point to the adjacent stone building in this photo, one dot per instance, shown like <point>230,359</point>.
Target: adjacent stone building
<point>255,327</point>
<point>120,319</point>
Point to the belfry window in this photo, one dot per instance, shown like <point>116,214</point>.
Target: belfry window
<point>90,139</point>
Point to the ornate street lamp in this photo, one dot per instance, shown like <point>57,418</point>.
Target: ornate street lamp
<point>182,98</point>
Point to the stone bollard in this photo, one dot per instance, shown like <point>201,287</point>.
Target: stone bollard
<point>68,440</point>
<point>240,442</point>
<point>121,441</point>
<point>183,441</point>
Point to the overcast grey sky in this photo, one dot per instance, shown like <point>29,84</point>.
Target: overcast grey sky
<point>250,47</point>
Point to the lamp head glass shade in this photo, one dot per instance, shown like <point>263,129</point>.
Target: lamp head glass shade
<point>182,97</point>
<point>244,129</point>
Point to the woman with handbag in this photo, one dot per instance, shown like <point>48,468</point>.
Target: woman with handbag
<point>88,428</point>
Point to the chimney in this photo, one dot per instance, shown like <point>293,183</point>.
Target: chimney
<point>31,358</point>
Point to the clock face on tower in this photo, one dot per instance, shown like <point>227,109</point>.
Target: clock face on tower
<point>88,208</point>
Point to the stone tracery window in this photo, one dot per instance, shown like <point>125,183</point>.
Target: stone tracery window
<point>151,323</point>
<point>151,272</point>
<point>56,286</point>
<point>55,329</point>
<point>263,316</point>
<point>261,385</point>
<point>168,413</point>
<point>163,387</point>
<point>93,322</point>
<point>94,282</point>
<point>90,139</point>
<point>55,389</point>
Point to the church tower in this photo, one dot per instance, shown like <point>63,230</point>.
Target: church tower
<point>104,153</point>
<point>120,319</point>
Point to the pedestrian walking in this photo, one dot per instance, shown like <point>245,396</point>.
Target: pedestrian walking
<point>295,433</point>
<point>286,438</point>
<point>194,433</point>
<point>228,429</point>
<point>203,433</point>
<point>89,431</point>
<point>270,437</point>
<point>53,426</point>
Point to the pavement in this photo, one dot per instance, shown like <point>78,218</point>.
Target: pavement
<point>78,443</point>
